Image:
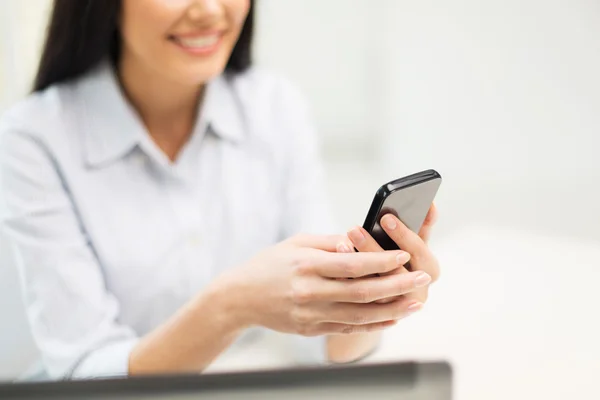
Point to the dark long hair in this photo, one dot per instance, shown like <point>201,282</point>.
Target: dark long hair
<point>83,32</point>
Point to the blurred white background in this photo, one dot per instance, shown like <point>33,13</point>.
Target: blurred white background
<point>503,99</point>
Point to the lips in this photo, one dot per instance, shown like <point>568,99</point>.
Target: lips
<point>198,42</point>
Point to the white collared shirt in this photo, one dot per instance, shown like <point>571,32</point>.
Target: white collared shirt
<point>112,238</point>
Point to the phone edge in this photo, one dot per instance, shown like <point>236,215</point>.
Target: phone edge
<point>392,186</point>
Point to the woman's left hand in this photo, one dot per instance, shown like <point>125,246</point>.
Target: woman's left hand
<point>421,257</point>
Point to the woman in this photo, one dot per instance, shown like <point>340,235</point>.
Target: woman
<point>155,185</point>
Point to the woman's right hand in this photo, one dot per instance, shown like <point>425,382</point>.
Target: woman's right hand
<point>295,287</point>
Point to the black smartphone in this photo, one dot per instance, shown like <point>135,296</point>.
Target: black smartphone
<point>407,198</point>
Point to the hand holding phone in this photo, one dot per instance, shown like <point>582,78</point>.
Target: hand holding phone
<point>408,198</point>
<point>395,220</point>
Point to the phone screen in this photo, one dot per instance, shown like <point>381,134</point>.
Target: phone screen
<point>410,205</point>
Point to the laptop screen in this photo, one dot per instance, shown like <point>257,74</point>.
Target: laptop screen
<point>407,381</point>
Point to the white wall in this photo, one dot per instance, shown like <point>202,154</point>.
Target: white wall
<point>510,86</point>
<point>324,46</point>
<point>503,97</point>
<point>21,32</point>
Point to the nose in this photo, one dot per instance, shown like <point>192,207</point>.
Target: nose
<point>206,9</point>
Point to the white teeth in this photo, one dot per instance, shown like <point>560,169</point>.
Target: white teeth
<point>199,42</point>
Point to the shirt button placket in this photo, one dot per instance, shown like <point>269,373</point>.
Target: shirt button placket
<point>188,219</point>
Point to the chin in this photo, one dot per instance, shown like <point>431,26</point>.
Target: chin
<point>199,74</point>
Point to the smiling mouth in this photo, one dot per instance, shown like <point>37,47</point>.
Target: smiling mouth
<point>197,42</point>
<point>204,44</point>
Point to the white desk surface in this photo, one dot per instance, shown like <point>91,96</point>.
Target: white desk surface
<point>515,313</point>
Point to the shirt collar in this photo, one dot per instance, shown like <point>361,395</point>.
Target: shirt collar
<point>222,109</point>
<point>113,128</point>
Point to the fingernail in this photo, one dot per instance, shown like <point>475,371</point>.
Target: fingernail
<point>356,235</point>
<point>343,248</point>
<point>402,258</point>
<point>422,279</point>
<point>389,222</point>
<point>414,307</point>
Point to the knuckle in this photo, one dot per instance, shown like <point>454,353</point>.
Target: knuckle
<point>351,267</point>
<point>301,317</point>
<point>389,264</point>
<point>302,266</point>
<point>361,293</point>
<point>421,253</point>
<point>305,330</point>
<point>302,331</point>
<point>302,294</point>
<point>406,283</point>
<point>347,329</point>
<point>419,257</point>
<point>359,319</point>
<point>403,233</point>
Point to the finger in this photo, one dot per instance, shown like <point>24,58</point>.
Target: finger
<point>421,258</point>
<point>430,220</point>
<point>366,290</point>
<point>345,246</point>
<point>364,314</point>
<point>362,241</point>
<point>327,243</point>
<point>388,300</point>
<point>344,329</point>
<point>420,295</point>
<point>404,237</point>
<point>356,265</point>
<point>369,244</point>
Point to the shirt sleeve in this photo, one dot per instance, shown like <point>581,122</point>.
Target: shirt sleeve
<point>306,204</point>
<point>72,315</point>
